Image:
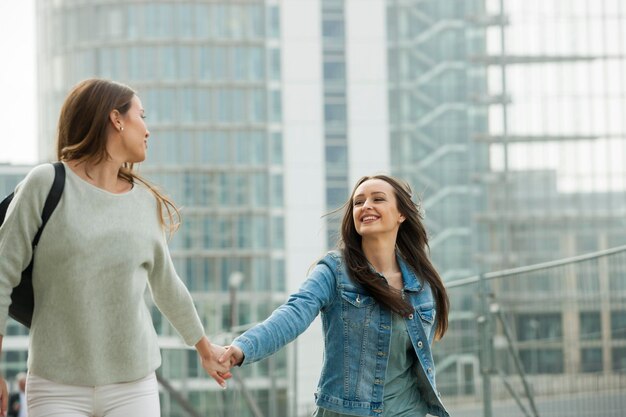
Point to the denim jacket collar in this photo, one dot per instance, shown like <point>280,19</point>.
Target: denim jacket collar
<point>411,282</point>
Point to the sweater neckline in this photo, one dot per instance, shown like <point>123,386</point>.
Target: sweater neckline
<point>94,187</point>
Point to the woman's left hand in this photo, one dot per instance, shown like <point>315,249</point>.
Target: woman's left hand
<point>209,355</point>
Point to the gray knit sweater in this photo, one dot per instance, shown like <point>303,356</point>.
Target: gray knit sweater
<point>97,254</point>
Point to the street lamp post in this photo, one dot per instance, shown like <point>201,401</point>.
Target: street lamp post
<point>234,281</point>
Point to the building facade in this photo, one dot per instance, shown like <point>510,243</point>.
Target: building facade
<point>553,189</point>
<point>556,181</point>
<point>438,101</point>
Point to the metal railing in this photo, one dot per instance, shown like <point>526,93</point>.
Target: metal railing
<point>552,335</point>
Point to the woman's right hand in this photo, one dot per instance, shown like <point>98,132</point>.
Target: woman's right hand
<point>4,392</point>
<point>4,396</point>
<point>233,355</point>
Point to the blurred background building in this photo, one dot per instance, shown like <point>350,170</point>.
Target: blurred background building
<point>506,117</point>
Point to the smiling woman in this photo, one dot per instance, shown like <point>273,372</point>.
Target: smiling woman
<point>18,116</point>
<point>382,305</point>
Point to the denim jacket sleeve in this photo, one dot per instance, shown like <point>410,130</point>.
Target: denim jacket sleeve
<point>290,319</point>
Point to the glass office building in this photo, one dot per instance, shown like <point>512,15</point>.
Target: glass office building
<point>556,182</point>
<point>333,21</point>
<point>557,145</point>
<point>438,100</point>
<point>508,119</point>
<point>553,182</point>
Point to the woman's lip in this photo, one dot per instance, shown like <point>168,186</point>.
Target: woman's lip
<point>369,219</point>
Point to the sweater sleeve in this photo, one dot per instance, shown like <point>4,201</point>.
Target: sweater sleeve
<point>23,219</point>
<point>172,297</point>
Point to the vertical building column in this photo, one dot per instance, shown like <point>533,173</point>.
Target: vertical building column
<point>367,91</point>
<point>305,202</point>
<point>571,314</point>
<point>605,307</point>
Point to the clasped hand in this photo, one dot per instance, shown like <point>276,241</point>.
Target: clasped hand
<point>218,360</point>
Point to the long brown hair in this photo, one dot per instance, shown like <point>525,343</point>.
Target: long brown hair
<point>82,134</point>
<point>412,244</point>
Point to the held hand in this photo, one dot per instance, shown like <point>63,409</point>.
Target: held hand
<point>232,355</point>
<point>209,354</point>
<point>4,397</point>
<point>216,352</point>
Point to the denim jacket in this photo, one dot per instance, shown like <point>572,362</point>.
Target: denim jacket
<point>357,336</point>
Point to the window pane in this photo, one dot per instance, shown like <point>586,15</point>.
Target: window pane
<point>333,28</point>
<point>619,359</point>
<point>185,20</point>
<point>256,64</point>
<point>186,107</point>
<point>203,19</point>
<point>168,62</point>
<point>539,327</point>
<point>542,361</point>
<point>273,21</point>
<point>591,360</point>
<point>186,62</point>
<point>277,106</point>
<point>618,324</point>
<point>275,72</point>
<point>334,71</point>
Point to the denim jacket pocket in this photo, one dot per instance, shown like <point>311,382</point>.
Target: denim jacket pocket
<point>357,299</point>
<point>356,310</point>
<point>427,315</point>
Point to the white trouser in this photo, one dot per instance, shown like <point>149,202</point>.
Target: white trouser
<point>139,398</point>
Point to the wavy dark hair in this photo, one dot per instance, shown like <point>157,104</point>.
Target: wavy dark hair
<point>412,245</point>
<point>82,134</point>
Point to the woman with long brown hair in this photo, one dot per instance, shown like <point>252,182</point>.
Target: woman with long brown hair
<point>382,305</point>
<point>93,347</point>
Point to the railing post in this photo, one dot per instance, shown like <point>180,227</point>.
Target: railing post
<point>486,346</point>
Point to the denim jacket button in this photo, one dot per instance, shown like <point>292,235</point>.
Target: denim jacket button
<point>380,353</point>
<point>410,316</point>
<point>420,344</point>
<point>429,370</point>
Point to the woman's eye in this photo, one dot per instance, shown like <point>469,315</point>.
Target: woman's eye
<point>358,203</point>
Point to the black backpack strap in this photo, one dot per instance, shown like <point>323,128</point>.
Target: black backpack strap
<point>4,206</point>
<point>54,196</point>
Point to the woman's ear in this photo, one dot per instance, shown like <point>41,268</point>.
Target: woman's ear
<point>115,118</point>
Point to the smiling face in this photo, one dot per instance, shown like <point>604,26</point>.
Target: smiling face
<point>375,209</point>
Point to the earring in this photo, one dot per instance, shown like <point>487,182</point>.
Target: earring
<point>121,128</point>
